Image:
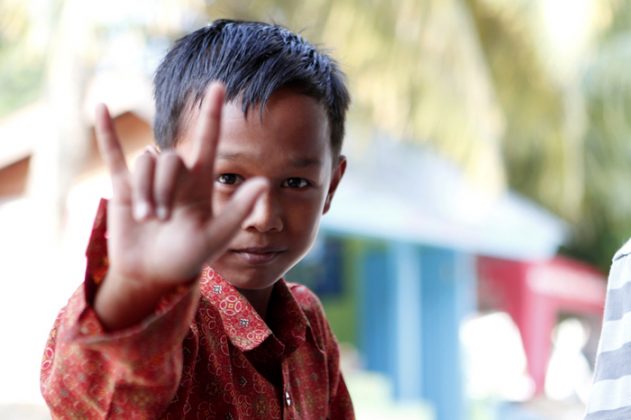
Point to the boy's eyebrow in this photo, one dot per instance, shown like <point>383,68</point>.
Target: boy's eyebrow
<point>305,162</point>
<point>299,162</point>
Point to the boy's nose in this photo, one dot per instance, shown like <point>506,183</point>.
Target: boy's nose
<point>266,215</point>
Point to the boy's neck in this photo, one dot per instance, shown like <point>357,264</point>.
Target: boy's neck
<point>259,299</point>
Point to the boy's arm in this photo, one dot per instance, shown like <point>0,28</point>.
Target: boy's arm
<point>89,373</point>
<point>133,373</point>
<point>161,224</point>
<point>340,403</point>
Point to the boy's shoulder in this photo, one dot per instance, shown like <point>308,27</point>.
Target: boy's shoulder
<point>310,305</point>
<point>308,301</point>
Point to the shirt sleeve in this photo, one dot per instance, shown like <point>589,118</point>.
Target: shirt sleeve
<point>610,398</point>
<point>340,406</point>
<point>87,372</point>
<point>340,403</point>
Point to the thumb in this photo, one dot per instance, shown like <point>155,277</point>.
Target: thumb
<point>224,226</point>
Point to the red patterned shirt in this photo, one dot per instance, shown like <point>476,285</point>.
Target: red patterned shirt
<point>204,354</point>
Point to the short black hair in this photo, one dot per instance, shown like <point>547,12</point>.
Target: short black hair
<point>253,60</point>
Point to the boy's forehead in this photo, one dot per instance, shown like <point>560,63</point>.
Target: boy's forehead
<point>191,110</point>
<point>284,107</point>
<point>286,113</point>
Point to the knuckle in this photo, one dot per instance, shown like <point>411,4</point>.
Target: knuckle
<point>144,161</point>
<point>170,160</point>
<point>168,154</point>
<point>162,194</point>
<point>141,177</point>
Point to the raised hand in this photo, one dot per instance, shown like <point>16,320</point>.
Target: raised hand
<point>161,224</point>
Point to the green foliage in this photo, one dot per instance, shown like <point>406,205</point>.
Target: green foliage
<point>532,104</point>
<point>21,67</point>
<point>606,224</point>
<point>583,179</point>
<point>21,81</point>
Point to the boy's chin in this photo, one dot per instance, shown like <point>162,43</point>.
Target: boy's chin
<point>252,280</point>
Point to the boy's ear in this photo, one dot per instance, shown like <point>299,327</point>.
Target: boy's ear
<point>338,173</point>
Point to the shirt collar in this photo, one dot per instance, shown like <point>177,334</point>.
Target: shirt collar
<point>243,325</point>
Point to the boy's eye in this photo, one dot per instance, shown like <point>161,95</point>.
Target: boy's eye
<point>229,179</point>
<point>296,183</point>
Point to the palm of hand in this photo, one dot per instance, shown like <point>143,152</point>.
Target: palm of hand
<point>161,224</point>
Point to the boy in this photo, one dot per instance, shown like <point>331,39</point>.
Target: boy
<point>249,121</point>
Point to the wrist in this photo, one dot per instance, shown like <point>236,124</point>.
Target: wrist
<point>123,302</point>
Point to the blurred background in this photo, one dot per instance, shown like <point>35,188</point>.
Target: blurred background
<point>463,264</point>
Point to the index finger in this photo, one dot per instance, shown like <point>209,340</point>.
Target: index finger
<point>112,153</point>
<point>208,128</point>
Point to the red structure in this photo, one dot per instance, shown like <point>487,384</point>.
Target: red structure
<point>534,294</point>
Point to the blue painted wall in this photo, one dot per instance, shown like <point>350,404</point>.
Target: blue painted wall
<point>412,300</point>
<point>447,295</point>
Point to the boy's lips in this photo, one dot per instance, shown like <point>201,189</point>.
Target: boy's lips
<point>258,255</point>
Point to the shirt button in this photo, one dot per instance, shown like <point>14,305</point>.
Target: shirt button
<point>287,399</point>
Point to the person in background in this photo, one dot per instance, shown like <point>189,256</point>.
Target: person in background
<point>610,396</point>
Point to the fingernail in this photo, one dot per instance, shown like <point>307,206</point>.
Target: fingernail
<point>141,210</point>
<point>152,150</point>
<point>162,213</point>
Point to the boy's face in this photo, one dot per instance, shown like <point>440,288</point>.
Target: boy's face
<point>289,147</point>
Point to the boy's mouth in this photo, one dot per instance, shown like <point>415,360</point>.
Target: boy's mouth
<point>258,255</point>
